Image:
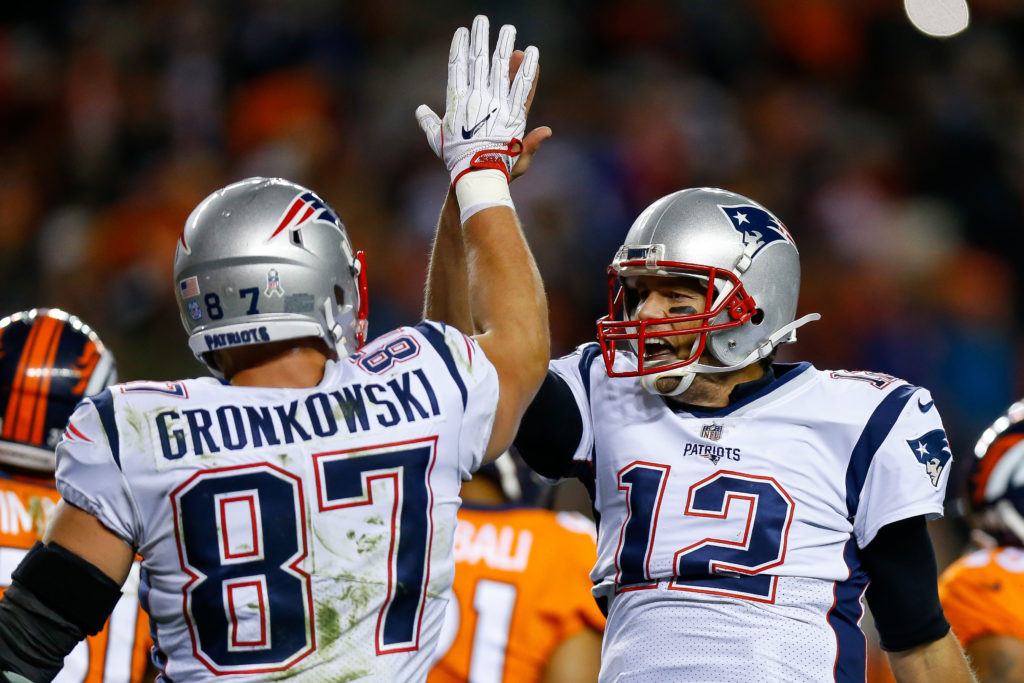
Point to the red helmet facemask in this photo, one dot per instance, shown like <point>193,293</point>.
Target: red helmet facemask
<point>620,324</point>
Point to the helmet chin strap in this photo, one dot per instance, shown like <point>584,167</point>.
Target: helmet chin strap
<point>687,373</point>
<point>335,329</point>
<point>686,377</point>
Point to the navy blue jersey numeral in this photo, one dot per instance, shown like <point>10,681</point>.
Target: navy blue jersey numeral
<point>242,534</point>
<point>733,567</point>
<point>644,484</point>
<point>712,565</point>
<point>384,358</point>
<point>346,479</point>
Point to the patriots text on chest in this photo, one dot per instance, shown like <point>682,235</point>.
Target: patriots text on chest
<point>352,409</point>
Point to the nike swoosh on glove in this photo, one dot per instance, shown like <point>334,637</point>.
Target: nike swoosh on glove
<point>485,115</point>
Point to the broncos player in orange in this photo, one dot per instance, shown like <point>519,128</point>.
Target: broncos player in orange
<point>49,361</point>
<point>521,609</point>
<point>982,593</point>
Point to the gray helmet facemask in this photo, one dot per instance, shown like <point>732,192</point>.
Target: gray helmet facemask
<point>264,260</point>
<point>723,239</point>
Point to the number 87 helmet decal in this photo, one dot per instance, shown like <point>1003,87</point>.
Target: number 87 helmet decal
<point>734,247</point>
<point>265,260</point>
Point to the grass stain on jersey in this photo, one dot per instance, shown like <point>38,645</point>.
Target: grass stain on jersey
<point>367,543</point>
<point>327,624</point>
<point>358,595</point>
<point>459,352</point>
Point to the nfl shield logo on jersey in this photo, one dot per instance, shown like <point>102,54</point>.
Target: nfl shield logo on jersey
<point>194,311</point>
<point>932,451</point>
<point>712,432</point>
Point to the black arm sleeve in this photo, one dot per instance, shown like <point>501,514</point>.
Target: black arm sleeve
<point>903,594</point>
<point>34,639</point>
<point>551,429</point>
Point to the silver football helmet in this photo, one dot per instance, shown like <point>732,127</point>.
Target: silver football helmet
<point>744,255</point>
<point>264,260</point>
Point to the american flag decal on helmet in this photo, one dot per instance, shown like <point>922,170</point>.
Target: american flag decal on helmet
<point>306,208</point>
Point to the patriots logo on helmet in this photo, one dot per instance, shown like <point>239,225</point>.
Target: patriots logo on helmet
<point>757,227</point>
<point>306,208</point>
<point>932,451</point>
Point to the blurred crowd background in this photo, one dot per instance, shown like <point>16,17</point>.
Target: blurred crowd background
<point>895,159</point>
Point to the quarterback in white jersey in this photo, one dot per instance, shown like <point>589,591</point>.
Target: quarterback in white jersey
<point>729,538</point>
<point>743,508</point>
<point>295,516</point>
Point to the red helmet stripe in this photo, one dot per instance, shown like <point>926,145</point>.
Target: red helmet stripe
<point>989,462</point>
<point>297,204</point>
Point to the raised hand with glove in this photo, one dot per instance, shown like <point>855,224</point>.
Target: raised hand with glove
<point>481,133</point>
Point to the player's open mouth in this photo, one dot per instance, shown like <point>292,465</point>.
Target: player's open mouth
<point>658,350</point>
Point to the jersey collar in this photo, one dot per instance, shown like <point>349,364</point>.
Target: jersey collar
<point>778,375</point>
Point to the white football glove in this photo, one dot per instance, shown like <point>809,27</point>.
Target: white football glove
<point>485,118</point>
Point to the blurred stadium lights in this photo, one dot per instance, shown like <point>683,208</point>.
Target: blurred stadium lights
<point>938,18</point>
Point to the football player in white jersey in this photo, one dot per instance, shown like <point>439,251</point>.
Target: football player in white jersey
<point>745,508</point>
<point>295,515</point>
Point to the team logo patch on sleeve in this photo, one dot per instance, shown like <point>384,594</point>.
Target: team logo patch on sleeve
<point>932,451</point>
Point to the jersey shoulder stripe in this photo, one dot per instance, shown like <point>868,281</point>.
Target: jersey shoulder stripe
<point>875,432</point>
<point>104,404</point>
<point>588,352</point>
<point>436,338</point>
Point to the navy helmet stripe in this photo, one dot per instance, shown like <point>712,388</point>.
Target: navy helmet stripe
<point>844,618</point>
<point>436,339</point>
<point>875,432</point>
<point>104,402</point>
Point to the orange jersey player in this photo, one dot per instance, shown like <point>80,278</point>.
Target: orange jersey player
<point>521,609</point>
<point>982,593</point>
<point>49,360</point>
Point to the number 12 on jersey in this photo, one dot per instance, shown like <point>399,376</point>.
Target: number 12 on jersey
<point>714,564</point>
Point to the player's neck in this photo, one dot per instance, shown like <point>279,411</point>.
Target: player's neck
<point>292,368</point>
<point>710,390</point>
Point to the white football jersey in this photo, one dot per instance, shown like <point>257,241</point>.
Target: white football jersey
<point>292,533</point>
<point>728,540</point>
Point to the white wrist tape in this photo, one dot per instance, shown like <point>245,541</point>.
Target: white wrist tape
<point>479,190</point>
